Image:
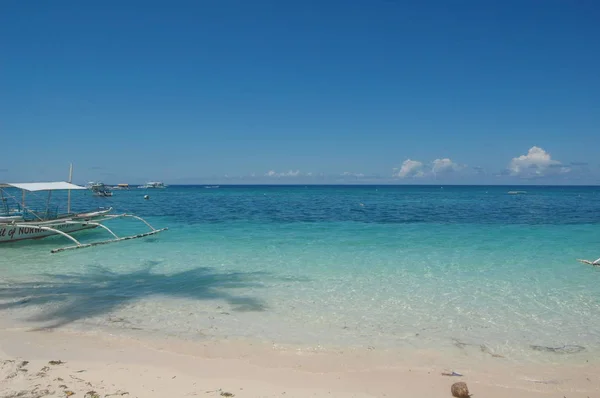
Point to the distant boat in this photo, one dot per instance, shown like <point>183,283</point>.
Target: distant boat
<point>121,186</point>
<point>516,192</point>
<point>211,186</point>
<point>153,185</point>
<point>99,189</point>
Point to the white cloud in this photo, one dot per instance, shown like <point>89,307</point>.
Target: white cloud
<point>291,173</point>
<point>410,168</point>
<point>416,169</point>
<point>350,174</point>
<point>537,163</point>
<point>445,165</point>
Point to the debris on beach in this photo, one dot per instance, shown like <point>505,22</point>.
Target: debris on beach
<point>565,349</point>
<point>543,381</point>
<point>76,378</point>
<point>14,376</point>
<point>460,390</point>
<point>118,393</point>
<point>14,367</point>
<point>222,393</point>
<point>453,373</point>
<point>35,393</point>
<point>43,371</point>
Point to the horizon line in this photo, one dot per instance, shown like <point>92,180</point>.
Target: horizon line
<point>135,186</point>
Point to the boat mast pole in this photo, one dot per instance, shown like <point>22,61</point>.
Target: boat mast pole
<point>48,205</point>
<point>69,194</point>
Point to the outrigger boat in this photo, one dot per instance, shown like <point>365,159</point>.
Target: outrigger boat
<point>22,223</point>
<point>99,189</point>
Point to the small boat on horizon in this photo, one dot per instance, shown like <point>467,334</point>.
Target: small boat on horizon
<point>121,186</point>
<point>153,185</point>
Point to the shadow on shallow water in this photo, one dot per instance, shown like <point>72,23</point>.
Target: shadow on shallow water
<point>101,291</point>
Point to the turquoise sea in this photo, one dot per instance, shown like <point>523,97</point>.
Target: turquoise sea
<point>424,267</point>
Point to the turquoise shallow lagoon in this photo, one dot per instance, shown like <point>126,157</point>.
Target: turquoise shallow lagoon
<point>365,266</point>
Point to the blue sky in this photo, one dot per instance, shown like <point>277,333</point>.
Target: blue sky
<point>301,91</point>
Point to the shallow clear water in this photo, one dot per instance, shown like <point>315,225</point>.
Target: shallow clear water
<point>386,267</point>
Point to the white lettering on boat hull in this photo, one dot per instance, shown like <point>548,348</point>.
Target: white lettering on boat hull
<point>11,233</point>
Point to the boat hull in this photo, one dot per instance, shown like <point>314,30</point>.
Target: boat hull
<point>23,231</point>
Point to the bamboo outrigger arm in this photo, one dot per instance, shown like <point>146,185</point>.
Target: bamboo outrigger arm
<point>66,235</point>
<point>79,245</point>
<point>104,242</point>
<point>97,225</point>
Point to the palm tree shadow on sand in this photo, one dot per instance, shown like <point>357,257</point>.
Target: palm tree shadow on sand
<point>101,291</point>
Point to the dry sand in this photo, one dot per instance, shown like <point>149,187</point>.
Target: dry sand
<point>110,366</point>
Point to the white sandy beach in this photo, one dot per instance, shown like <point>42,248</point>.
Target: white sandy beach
<point>108,365</point>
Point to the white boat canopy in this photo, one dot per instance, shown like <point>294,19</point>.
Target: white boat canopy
<point>42,186</point>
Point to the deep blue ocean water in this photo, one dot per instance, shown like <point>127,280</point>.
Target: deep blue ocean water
<point>369,266</point>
